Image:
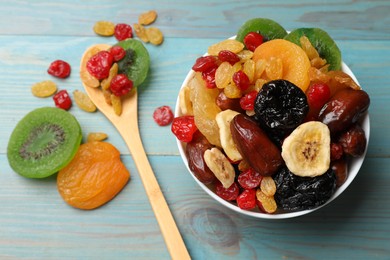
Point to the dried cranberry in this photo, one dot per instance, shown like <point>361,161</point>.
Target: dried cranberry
<point>317,95</point>
<point>247,102</point>
<point>117,53</point>
<point>241,80</point>
<point>163,115</point>
<point>252,40</point>
<point>205,63</point>
<point>183,128</point>
<point>209,77</point>
<point>99,64</point>
<point>336,151</point>
<point>121,85</point>
<point>249,179</point>
<point>228,56</point>
<point>59,68</point>
<point>228,194</point>
<point>62,99</point>
<point>123,31</point>
<point>247,199</point>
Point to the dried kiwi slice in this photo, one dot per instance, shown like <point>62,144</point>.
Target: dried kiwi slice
<point>268,28</point>
<point>322,42</point>
<point>43,142</point>
<point>136,62</point>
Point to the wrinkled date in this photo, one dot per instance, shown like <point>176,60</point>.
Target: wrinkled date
<point>344,109</point>
<point>195,151</point>
<point>353,141</point>
<point>255,146</point>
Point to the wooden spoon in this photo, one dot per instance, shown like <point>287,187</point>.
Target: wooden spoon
<point>127,125</point>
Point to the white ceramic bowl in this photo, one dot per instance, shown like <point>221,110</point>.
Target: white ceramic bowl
<point>353,168</point>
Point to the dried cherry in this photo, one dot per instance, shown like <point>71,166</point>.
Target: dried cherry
<point>229,194</point>
<point>247,199</point>
<point>121,85</point>
<point>123,31</point>
<point>62,100</point>
<point>163,115</point>
<point>183,128</point>
<point>59,69</point>
<point>249,179</point>
<point>99,64</point>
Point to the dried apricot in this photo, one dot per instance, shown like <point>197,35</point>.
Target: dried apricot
<point>94,176</point>
<point>296,64</point>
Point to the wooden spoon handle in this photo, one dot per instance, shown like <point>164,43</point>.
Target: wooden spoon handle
<point>169,230</point>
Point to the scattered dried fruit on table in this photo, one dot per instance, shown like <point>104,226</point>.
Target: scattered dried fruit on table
<point>104,28</point>
<point>147,17</point>
<point>83,101</point>
<point>44,88</point>
<point>94,176</point>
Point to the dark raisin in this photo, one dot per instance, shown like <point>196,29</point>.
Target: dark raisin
<point>281,105</point>
<point>300,193</point>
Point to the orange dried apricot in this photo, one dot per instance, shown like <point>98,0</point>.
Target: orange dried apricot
<point>296,64</point>
<point>94,176</point>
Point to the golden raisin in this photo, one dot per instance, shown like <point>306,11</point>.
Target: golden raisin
<point>44,88</point>
<point>83,101</point>
<point>147,17</point>
<point>96,136</point>
<point>155,36</point>
<point>116,103</point>
<point>104,28</point>
<point>94,176</point>
<point>140,31</point>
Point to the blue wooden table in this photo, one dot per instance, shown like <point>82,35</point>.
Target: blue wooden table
<point>35,223</point>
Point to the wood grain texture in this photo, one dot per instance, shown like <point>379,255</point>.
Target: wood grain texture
<point>36,224</point>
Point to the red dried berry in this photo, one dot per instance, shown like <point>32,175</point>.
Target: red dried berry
<point>228,56</point>
<point>241,80</point>
<point>62,99</point>
<point>228,194</point>
<point>163,115</point>
<point>117,53</point>
<point>205,63</point>
<point>59,69</point>
<point>247,199</point>
<point>99,64</point>
<point>253,40</point>
<point>247,102</point>
<point>183,128</point>
<point>249,179</point>
<point>123,31</point>
<point>121,85</point>
<point>317,95</point>
<point>209,77</point>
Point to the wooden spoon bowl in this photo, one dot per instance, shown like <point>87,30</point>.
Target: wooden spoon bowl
<point>127,126</point>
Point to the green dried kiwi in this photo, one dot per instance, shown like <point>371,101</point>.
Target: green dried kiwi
<point>43,142</point>
<point>322,42</point>
<point>136,62</point>
<point>268,28</point>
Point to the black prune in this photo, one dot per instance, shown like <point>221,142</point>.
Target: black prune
<point>281,105</point>
<point>301,193</point>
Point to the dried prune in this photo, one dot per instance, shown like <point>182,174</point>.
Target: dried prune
<point>281,105</point>
<point>300,193</point>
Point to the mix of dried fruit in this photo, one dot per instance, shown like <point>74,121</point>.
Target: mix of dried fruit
<point>123,31</point>
<point>270,120</point>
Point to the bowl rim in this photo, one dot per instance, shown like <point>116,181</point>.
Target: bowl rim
<point>354,164</point>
